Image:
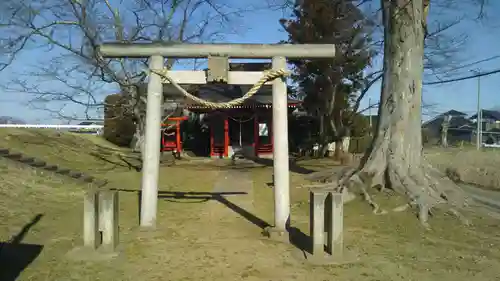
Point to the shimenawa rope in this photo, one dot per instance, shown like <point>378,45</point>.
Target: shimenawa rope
<point>269,75</point>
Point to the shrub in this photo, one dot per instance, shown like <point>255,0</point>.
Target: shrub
<point>119,126</point>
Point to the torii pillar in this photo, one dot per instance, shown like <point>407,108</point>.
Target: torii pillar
<point>156,52</point>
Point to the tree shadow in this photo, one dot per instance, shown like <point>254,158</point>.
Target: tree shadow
<point>120,162</point>
<point>292,165</point>
<point>15,256</point>
<point>201,197</point>
<point>297,238</point>
<point>175,196</point>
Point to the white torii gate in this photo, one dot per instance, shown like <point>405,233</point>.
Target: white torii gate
<point>157,53</point>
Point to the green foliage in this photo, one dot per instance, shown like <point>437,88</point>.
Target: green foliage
<point>337,22</point>
<point>327,82</point>
<point>360,133</point>
<point>360,125</point>
<point>119,127</point>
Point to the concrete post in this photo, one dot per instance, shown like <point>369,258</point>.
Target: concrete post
<point>317,222</point>
<point>109,211</point>
<point>91,235</point>
<point>280,153</point>
<point>151,157</point>
<point>100,196</point>
<point>335,224</point>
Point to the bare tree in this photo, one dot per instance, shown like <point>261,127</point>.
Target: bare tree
<point>69,31</point>
<point>443,44</point>
<point>444,130</point>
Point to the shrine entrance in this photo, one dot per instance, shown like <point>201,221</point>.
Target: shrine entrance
<point>218,71</point>
<point>241,131</point>
<point>245,129</point>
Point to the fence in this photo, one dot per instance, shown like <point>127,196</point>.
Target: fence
<point>359,144</point>
<point>94,129</point>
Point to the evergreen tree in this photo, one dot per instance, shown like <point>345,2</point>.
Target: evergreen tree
<point>329,86</point>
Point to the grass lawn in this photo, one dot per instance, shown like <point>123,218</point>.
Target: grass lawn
<point>199,238</point>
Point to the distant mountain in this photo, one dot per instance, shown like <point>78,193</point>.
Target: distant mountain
<point>11,120</point>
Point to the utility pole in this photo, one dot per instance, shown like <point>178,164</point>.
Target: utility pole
<point>479,115</point>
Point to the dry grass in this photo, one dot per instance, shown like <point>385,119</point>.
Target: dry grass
<point>468,165</point>
<point>80,152</point>
<point>201,239</point>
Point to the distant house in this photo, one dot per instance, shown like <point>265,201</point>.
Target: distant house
<point>490,126</point>
<point>490,119</point>
<point>460,128</point>
<point>492,136</point>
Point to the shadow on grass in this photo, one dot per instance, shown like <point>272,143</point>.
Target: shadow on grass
<point>217,196</point>
<point>120,162</point>
<point>15,256</point>
<point>292,165</point>
<point>300,240</point>
<point>297,238</point>
<point>201,197</point>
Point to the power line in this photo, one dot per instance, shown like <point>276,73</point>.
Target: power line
<point>471,64</point>
<point>464,78</point>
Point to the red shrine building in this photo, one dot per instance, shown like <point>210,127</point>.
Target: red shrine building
<point>246,127</point>
<point>220,132</point>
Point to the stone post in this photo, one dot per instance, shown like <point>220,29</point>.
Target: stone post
<point>280,150</point>
<point>335,224</point>
<point>109,211</point>
<point>91,235</point>
<point>326,207</point>
<point>317,221</point>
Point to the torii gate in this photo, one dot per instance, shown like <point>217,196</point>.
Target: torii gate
<point>218,55</point>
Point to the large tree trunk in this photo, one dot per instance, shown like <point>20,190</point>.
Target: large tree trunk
<point>323,135</point>
<point>395,158</point>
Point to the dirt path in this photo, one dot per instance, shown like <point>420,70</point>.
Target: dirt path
<point>218,239</point>
<point>237,187</point>
<point>490,199</point>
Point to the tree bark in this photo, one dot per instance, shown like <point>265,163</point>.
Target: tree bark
<point>323,135</point>
<point>444,130</point>
<point>395,158</point>
<point>136,107</point>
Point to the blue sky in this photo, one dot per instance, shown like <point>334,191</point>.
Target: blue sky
<point>263,27</point>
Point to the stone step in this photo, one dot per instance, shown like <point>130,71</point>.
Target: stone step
<point>63,171</point>
<point>26,159</point>
<point>14,155</point>
<point>75,174</point>
<point>51,167</point>
<point>87,178</point>
<point>38,163</point>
